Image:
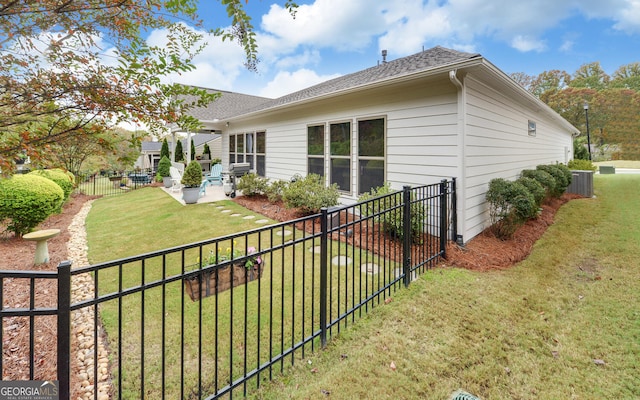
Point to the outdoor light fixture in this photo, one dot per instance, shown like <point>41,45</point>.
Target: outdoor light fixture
<point>586,115</point>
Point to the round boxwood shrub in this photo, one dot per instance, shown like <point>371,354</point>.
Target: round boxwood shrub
<point>545,179</point>
<point>534,187</point>
<point>27,200</point>
<point>561,181</point>
<point>510,206</point>
<point>60,177</point>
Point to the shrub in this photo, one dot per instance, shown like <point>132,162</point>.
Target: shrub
<point>581,165</point>
<point>310,194</point>
<point>192,176</point>
<point>567,173</point>
<point>275,190</point>
<point>534,187</point>
<point>252,185</point>
<point>387,211</point>
<point>164,167</point>
<point>27,200</point>
<point>561,182</point>
<point>545,179</point>
<point>510,206</point>
<point>60,177</point>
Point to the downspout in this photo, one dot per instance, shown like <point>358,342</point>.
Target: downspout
<point>462,178</point>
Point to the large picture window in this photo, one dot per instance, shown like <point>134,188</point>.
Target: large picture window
<point>371,146</point>
<point>251,148</point>
<point>340,155</point>
<point>315,149</point>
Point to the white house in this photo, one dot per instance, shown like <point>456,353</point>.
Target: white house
<point>416,120</point>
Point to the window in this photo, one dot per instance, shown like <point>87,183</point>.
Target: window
<point>371,146</point>
<point>261,153</point>
<point>532,128</point>
<point>315,149</point>
<point>250,148</point>
<point>340,155</point>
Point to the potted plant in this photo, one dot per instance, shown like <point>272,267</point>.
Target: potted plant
<point>191,179</point>
<point>221,278</point>
<point>163,170</point>
<point>206,152</point>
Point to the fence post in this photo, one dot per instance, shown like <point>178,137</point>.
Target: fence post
<point>443,218</point>
<point>454,211</point>
<point>324,239</point>
<point>64,329</point>
<point>406,234</point>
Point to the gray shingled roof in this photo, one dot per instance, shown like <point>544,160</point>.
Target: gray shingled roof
<point>423,61</point>
<point>229,103</point>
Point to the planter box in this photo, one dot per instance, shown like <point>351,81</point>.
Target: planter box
<point>213,281</point>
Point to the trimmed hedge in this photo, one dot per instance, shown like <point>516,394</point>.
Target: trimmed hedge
<point>562,181</point>
<point>510,206</point>
<point>60,177</point>
<point>164,167</point>
<point>252,185</point>
<point>27,200</point>
<point>581,165</point>
<point>534,187</point>
<point>547,181</point>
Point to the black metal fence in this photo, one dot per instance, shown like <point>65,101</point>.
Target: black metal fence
<point>108,183</point>
<point>222,316</point>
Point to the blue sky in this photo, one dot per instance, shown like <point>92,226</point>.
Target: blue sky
<point>329,38</point>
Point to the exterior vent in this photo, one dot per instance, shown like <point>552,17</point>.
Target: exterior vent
<point>461,395</point>
<point>581,183</point>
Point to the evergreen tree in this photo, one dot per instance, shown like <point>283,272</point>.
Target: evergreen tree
<point>179,152</point>
<point>193,151</point>
<point>164,151</point>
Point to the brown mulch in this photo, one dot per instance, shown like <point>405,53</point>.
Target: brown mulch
<point>482,253</point>
<point>485,252</point>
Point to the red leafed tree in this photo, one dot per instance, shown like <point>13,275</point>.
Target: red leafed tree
<point>67,65</point>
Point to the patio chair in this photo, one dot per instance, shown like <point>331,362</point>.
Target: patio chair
<point>176,178</point>
<point>215,176</point>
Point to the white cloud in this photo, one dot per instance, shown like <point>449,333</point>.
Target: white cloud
<point>628,19</point>
<point>525,44</point>
<point>342,25</point>
<point>289,82</point>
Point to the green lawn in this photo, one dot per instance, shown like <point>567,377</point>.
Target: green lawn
<point>277,314</point>
<point>620,164</point>
<point>534,331</point>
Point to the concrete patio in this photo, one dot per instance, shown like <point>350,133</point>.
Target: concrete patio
<point>213,193</point>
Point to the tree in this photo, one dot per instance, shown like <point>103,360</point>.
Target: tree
<point>627,77</point>
<point>51,65</point>
<point>193,150</point>
<point>590,76</point>
<point>164,150</point>
<point>179,152</point>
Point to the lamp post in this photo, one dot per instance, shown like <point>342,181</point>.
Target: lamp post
<point>586,115</point>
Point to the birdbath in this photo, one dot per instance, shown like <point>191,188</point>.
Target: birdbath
<point>41,237</point>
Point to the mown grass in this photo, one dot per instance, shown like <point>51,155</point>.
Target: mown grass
<point>277,312</point>
<point>563,324</point>
<point>620,163</point>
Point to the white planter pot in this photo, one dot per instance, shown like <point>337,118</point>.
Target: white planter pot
<point>166,180</point>
<point>190,195</point>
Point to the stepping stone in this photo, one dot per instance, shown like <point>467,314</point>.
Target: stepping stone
<point>370,268</point>
<point>262,221</point>
<point>220,207</point>
<point>315,249</point>
<point>340,260</point>
<point>235,215</point>
<point>226,211</point>
<point>286,232</point>
<point>249,217</point>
